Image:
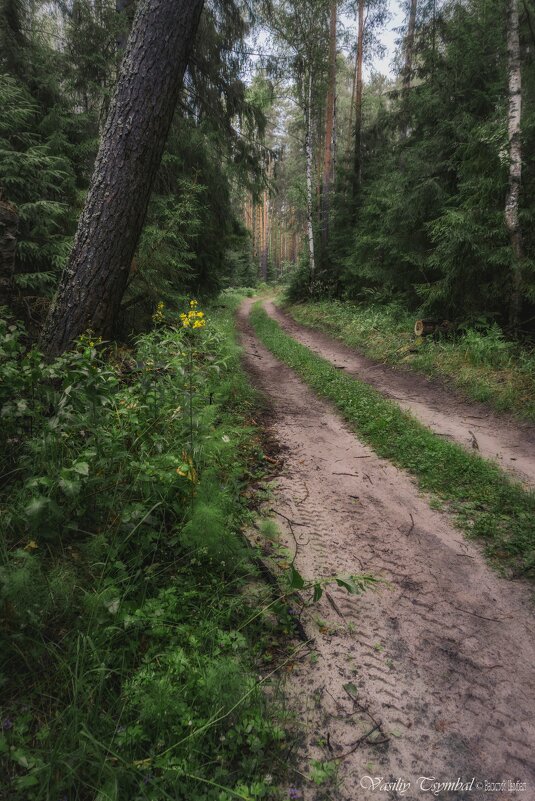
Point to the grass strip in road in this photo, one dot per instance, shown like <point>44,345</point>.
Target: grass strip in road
<point>479,361</point>
<point>488,504</point>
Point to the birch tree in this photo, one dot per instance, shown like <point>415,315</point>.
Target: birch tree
<point>309,185</point>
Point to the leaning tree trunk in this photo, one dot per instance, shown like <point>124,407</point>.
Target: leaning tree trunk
<point>139,119</point>
<point>512,220</point>
<point>328,157</point>
<point>308,156</point>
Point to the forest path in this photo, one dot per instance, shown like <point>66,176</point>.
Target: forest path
<point>441,657</point>
<point>510,443</point>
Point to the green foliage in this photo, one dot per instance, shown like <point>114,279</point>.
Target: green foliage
<point>488,504</point>
<point>130,660</point>
<point>39,179</point>
<point>58,67</point>
<point>428,219</point>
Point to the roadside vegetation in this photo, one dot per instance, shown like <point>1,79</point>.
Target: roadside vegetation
<point>478,359</point>
<point>133,645</point>
<point>486,502</point>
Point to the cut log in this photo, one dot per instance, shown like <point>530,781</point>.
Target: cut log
<point>423,328</point>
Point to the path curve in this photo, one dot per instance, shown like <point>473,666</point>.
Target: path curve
<point>510,443</point>
<point>442,656</point>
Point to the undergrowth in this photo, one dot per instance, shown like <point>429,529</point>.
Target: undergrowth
<point>132,650</point>
<point>478,360</point>
<point>488,504</point>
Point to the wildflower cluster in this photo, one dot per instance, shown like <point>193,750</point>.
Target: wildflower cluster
<point>158,316</point>
<point>194,318</point>
<point>89,340</point>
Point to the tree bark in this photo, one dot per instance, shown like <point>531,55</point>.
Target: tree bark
<point>512,220</point>
<point>130,152</point>
<point>308,155</point>
<point>358,98</point>
<point>265,237</point>
<point>9,223</point>
<point>409,46</point>
<point>328,159</point>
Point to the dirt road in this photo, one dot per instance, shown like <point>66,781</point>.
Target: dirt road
<point>510,443</point>
<point>438,662</point>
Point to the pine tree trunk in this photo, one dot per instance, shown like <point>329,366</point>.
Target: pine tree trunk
<point>265,237</point>
<point>9,223</point>
<point>512,220</point>
<point>308,155</point>
<point>409,46</point>
<point>328,159</point>
<point>139,119</point>
<point>358,98</point>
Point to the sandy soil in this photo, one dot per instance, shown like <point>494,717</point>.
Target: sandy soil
<point>473,425</point>
<point>440,658</point>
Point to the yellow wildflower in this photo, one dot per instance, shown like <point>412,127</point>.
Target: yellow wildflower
<point>32,546</point>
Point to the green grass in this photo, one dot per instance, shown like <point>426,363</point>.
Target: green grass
<point>132,635</point>
<point>487,503</point>
<point>480,362</point>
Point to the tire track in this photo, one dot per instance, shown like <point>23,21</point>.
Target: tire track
<point>441,656</point>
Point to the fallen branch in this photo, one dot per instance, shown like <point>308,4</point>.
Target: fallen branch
<point>358,742</point>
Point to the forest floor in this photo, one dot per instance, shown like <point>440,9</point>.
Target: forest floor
<point>430,675</point>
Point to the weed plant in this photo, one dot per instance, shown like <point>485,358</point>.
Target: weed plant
<point>130,656</point>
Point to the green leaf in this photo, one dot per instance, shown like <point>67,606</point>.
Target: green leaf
<point>29,780</point>
<point>82,468</point>
<point>297,581</point>
<point>347,585</point>
<point>318,592</point>
<point>36,505</point>
<point>70,488</point>
<point>351,689</point>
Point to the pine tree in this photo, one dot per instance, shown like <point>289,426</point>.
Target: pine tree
<point>133,140</point>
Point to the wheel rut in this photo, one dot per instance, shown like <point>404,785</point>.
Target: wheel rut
<point>474,426</point>
<point>438,661</point>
